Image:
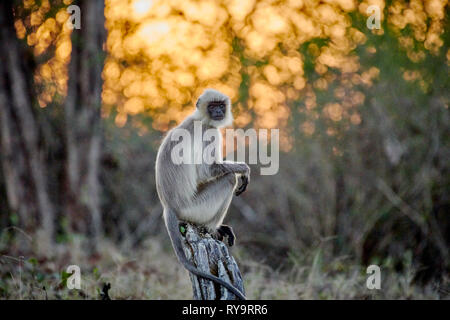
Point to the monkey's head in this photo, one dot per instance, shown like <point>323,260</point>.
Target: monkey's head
<point>215,107</point>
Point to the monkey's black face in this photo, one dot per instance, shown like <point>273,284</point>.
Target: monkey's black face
<point>216,110</point>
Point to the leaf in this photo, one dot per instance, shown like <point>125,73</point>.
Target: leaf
<point>33,261</point>
<point>40,277</point>
<point>64,277</point>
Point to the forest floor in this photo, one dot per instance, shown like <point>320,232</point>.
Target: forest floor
<point>152,272</point>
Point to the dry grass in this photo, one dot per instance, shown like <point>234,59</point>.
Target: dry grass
<point>152,272</point>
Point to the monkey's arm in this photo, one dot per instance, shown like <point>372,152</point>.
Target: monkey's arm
<point>218,170</point>
<point>240,168</point>
<point>225,167</point>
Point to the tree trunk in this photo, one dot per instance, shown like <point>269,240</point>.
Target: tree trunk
<point>22,158</point>
<point>211,256</point>
<point>83,120</point>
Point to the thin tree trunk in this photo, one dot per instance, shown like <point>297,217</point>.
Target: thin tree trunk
<point>211,256</point>
<point>20,131</point>
<point>14,165</point>
<point>82,119</point>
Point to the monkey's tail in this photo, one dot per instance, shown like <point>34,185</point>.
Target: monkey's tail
<point>175,236</point>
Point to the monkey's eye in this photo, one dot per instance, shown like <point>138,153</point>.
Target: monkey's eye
<point>213,106</point>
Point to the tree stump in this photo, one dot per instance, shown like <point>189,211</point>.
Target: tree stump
<point>211,256</point>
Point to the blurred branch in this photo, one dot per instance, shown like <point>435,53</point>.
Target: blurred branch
<point>245,209</point>
<point>415,217</point>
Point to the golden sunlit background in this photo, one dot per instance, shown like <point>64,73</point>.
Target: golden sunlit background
<point>364,131</point>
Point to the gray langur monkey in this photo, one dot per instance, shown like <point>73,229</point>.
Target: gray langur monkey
<point>200,193</point>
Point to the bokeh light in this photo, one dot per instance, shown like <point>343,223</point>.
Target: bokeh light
<point>162,54</point>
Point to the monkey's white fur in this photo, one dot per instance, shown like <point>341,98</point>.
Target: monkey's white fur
<point>184,180</point>
<point>202,103</point>
<point>197,193</point>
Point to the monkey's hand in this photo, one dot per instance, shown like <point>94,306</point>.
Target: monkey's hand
<point>243,182</point>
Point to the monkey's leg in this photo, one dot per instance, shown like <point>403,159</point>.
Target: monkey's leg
<point>218,235</point>
<point>210,200</point>
<point>217,196</point>
<point>224,230</point>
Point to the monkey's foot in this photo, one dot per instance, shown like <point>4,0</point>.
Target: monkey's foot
<point>226,231</point>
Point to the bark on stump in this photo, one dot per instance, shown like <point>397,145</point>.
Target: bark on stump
<point>211,256</point>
